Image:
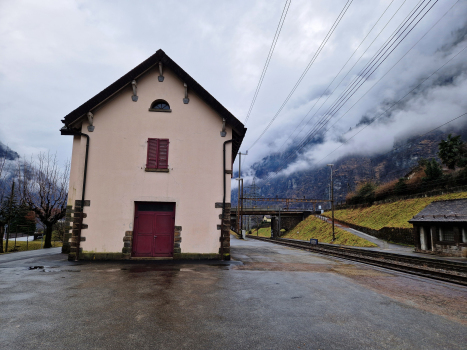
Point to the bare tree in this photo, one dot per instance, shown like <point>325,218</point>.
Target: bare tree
<point>43,186</point>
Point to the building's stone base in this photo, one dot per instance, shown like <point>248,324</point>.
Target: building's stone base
<point>196,256</point>
<point>123,256</point>
<point>177,239</point>
<point>224,249</point>
<point>101,256</point>
<point>127,244</point>
<point>454,251</point>
<point>66,247</point>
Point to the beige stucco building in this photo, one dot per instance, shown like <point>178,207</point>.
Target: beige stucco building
<point>157,173</point>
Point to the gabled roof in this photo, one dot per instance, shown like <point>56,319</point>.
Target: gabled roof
<point>454,210</point>
<point>239,129</point>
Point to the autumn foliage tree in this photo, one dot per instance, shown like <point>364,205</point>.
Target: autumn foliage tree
<point>43,187</point>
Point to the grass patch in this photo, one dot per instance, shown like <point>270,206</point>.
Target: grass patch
<point>233,234</point>
<point>394,214</point>
<point>33,245</point>
<point>312,227</point>
<point>262,232</point>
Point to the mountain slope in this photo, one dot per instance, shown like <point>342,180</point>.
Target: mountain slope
<point>7,153</point>
<point>349,171</point>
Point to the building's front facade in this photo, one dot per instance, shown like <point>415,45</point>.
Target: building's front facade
<point>158,167</point>
<point>441,228</point>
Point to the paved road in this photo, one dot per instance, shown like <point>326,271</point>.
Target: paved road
<point>29,255</point>
<point>270,297</point>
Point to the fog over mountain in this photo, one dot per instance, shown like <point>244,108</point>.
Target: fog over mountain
<point>348,171</point>
<point>7,153</point>
<point>421,86</point>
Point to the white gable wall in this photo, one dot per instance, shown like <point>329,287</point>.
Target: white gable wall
<point>117,159</point>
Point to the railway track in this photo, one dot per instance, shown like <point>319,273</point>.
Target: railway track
<point>448,271</point>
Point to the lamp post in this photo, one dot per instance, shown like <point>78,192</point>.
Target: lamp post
<point>332,204</point>
<point>239,223</point>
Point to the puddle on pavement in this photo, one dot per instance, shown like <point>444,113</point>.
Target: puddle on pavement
<point>171,268</point>
<point>277,266</point>
<point>49,269</point>
<point>139,269</point>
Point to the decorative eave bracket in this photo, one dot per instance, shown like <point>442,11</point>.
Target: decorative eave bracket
<point>160,77</point>
<point>134,98</point>
<point>91,122</point>
<point>186,99</point>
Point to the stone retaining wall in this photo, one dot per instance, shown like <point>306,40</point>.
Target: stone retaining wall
<point>393,234</point>
<point>401,198</point>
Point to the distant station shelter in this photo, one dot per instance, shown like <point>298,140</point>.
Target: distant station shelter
<point>151,167</point>
<point>441,227</point>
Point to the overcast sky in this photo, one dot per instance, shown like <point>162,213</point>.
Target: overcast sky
<point>55,55</point>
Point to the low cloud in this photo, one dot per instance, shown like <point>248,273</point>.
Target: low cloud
<point>366,128</point>
<point>56,55</point>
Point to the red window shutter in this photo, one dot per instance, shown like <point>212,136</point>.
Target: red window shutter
<point>163,154</point>
<point>151,162</point>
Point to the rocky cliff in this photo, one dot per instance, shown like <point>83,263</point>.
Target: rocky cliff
<point>348,171</point>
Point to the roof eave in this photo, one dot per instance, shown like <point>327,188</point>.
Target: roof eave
<point>159,56</point>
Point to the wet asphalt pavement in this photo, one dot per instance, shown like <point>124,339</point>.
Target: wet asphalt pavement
<point>270,297</point>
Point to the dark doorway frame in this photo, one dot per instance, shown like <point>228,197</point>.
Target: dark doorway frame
<point>154,211</point>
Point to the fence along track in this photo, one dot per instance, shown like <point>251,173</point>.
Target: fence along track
<point>448,271</point>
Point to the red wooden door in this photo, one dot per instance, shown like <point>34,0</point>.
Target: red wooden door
<point>153,233</point>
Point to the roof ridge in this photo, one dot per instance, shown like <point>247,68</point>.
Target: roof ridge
<point>239,129</point>
<point>449,200</point>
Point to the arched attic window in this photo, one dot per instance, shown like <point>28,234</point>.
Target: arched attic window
<point>160,106</point>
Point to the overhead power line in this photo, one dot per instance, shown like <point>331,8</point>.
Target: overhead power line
<point>313,59</point>
<point>391,44</point>
<point>345,96</point>
<point>396,103</point>
<point>268,59</point>
<point>400,59</point>
<point>358,60</point>
<point>331,111</point>
<point>348,72</point>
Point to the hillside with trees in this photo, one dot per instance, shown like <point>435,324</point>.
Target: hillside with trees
<point>413,165</point>
<point>447,174</point>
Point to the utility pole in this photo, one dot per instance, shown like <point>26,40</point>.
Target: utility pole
<point>238,199</point>
<point>279,233</point>
<point>332,204</point>
<point>252,194</point>
<point>241,208</point>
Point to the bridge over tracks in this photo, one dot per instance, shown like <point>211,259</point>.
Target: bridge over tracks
<point>280,218</point>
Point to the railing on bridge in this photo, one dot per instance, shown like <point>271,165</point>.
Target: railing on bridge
<point>287,201</point>
<point>240,210</point>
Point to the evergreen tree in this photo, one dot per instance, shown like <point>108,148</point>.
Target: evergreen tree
<point>8,210</point>
<point>453,152</point>
<point>23,221</point>
<point>401,186</point>
<point>433,171</point>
